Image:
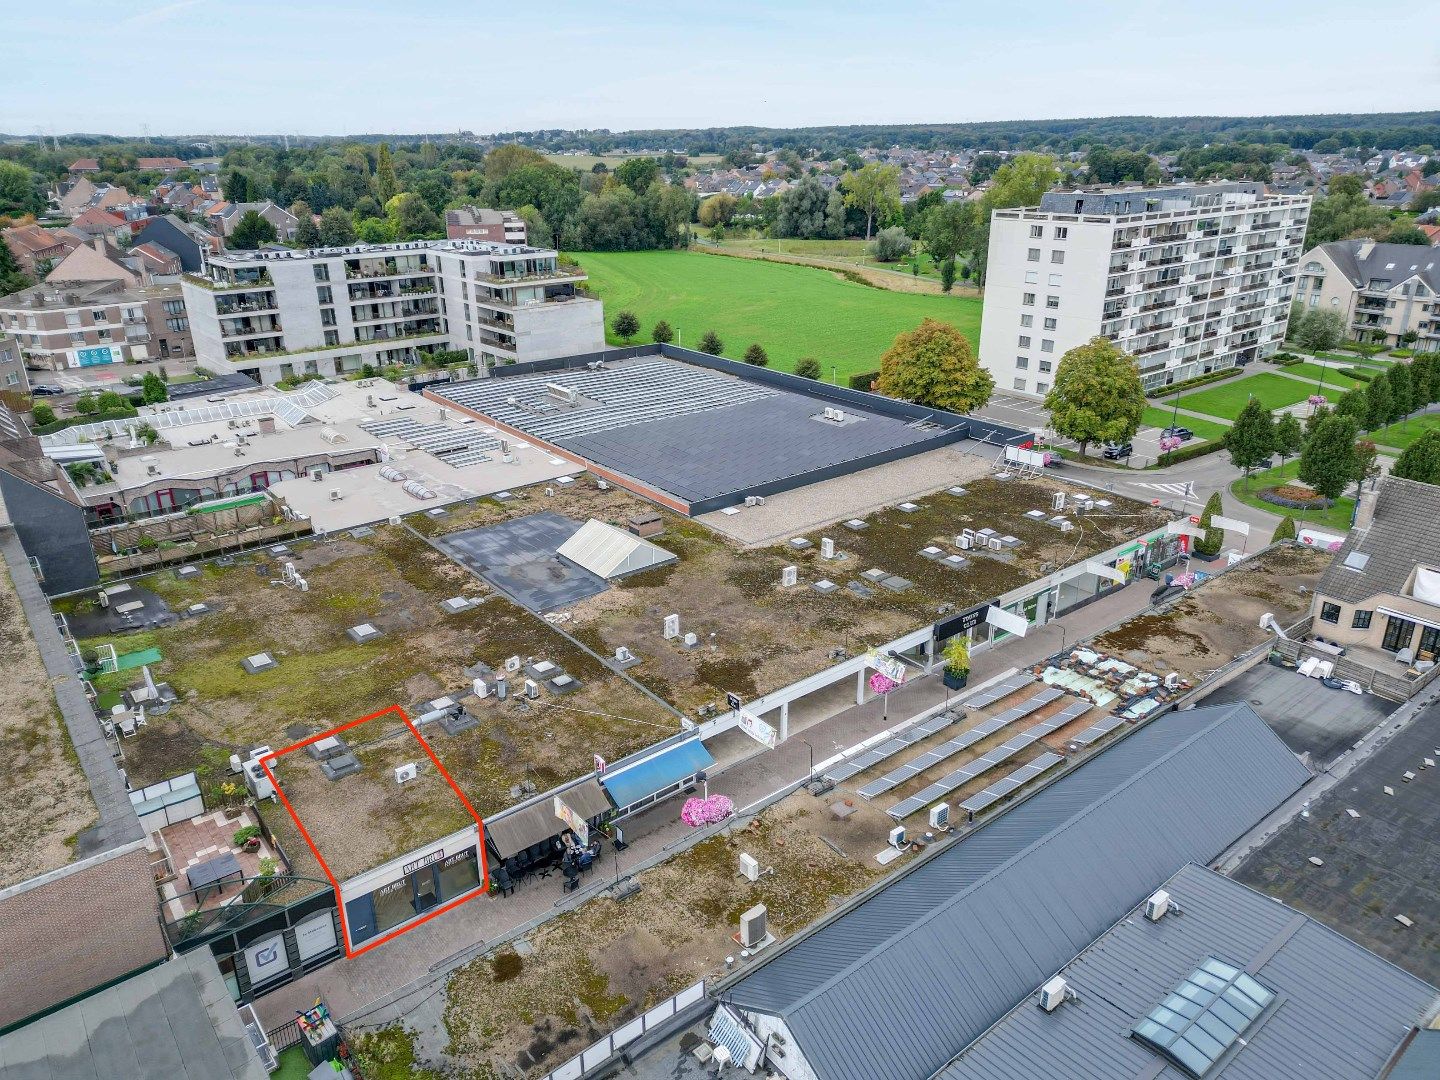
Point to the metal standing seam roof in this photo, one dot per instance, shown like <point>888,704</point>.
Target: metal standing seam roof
<point>631,783</point>
<point>962,937</point>
<point>1340,1011</point>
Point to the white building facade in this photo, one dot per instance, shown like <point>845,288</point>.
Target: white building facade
<point>283,314</point>
<point>1388,294</point>
<point>1187,279</point>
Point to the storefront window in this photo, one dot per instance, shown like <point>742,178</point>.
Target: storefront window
<point>459,874</point>
<point>394,904</point>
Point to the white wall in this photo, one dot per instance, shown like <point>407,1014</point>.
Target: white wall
<point>793,1062</point>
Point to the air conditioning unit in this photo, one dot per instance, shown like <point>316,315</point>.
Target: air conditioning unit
<point>1053,993</point>
<point>940,816</point>
<point>965,541</point>
<point>405,773</point>
<point>897,836</point>
<point>317,476</point>
<point>335,495</point>
<point>395,519</point>
<point>1057,501</point>
<point>995,544</point>
<point>1157,905</point>
<point>566,394</point>
<point>749,868</point>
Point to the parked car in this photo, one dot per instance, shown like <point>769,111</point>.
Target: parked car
<point>1116,451</point>
<point>1184,434</point>
<point>46,390</point>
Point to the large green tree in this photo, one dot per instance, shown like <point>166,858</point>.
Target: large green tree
<point>1251,438</point>
<point>934,365</point>
<point>251,231</point>
<point>12,278</point>
<point>1328,463</point>
<point>807,212</point>
<point>637,173</point>
<point>20,190</point>
<point>1289,436</point>
<point>1378,402</point>
<point>307,233</point>
<point>1318,331</point>
<point>1343,211</point>
<point>1019,182</point>
<point>1210,544</point>
<point>386,185</point>
<point>1420,460</point>
<point>947,229</point>
<point>1097,396</point>
<point>336,227</point>
<point>874,191</point>
<point>1399,379</point>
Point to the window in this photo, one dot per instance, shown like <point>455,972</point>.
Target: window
<point>1019,384</point>
<point>1057,257</point>
<point>1027,320</point>
<point>1398,634</point>
<point>1361,620</point>
<point>11,378</point>
<point>322,272</point>
<point>174,307</point>
<point>323,294</point>
<point>327,316</point>
<point>1062,232</point>
<point>1021,363</point>
<point>1204,1016</point>
<point>1037,231</point>
<point>1045,366</point>
<point>1052,302</point>
<point>1055,281</point>
<point>1033,255</point>
<point>1042,388</point>
<point>97,316</point>
<point>332,337</point>
<point>1047,345</point>
<point>1050,324</point>
<point>1024,341</point>
<point>180,326</point>
<point>1329,612</point>
<point>1031,277</point>
<point>1028,299</point>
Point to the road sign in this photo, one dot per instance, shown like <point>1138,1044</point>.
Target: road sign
<point>733,701</point>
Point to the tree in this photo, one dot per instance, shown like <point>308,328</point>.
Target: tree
<point>42,414</point>
<point>614,220</point>
<point>152,389</point>
<point>717,210</point>
<point>1327,463</point>
<point>1422,374</point>
<point>711,343</point>
<point>662,333</point>
<point>337,228</point>
<point>504,160</point>
<point>891,245</point>
<point>947,229</point>
<point>947,275</point>
<point>934,365</point>
<point>1019,182</point>
<point>757,355</point>
<point>873,190</point>
<point>110,401</point>
<point>375,231</point>
<point>670,208</point>
<point>251,231</point>
<point>1210,544</point>
<point>1377,402</point>
<point>1399,379</point>
<point>1284,531</point>
<point>1097,395</point>
<point>1319,331</point>
<point>20,190</point>
<point>1402,232</point>
<point>1419,461</point>
<point>805,212</point>
<point>625,325</point>
<point>307,233</point>
<point>12,278</point>
<point>1367,460</point>
<point>386,186</point>
<point>807,367</point>
<point>412,217</point>
<point>1289,436</point>
<point>86,405</point>
<point>637,173</point>
<point>1353,403</point>
<point>1251,439</point>
<point>1344,211</point>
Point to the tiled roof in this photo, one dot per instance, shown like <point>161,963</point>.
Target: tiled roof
<point>33,238</point>
<point>1363,260</point>
<point>1401,535</point>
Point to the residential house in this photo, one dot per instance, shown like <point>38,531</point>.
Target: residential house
<point>12,365</point>
<point>99,260</point>
<point>159,164</point>
<point>69,324</point>
<point>188,241</point>
<point>157,261</point>
<point>226,215</point>
<point>93,221</point>
<point>476,223</point>
<point>84,165</point>
<point>37,249</point>
<point>1384,292</point>
<point>1432,232</point>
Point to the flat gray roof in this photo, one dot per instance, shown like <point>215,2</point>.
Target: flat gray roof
<point>1340,1011</point>
<point>899,984</point>
<point>173,1022</point>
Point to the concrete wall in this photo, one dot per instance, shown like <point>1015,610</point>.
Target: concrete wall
<point>52,530</point>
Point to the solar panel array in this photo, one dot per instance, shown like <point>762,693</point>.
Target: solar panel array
<point>993,694</point>
<point>1098,731</point>
<point>632,393</point>
<point>986,762</point>
<point>844,770</point>
<point>963,741</point>
<point>1017,779</point>
<point>457,446</point>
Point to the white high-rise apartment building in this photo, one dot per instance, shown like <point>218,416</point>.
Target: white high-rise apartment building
<point>1187,279</point>
<point>330,311</point>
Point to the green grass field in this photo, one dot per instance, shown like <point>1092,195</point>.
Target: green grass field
<point>1331,376</point>
<point>851,251</point>
<point>1336,517</point>
<point>1203,429</point>
<point>1401,435</point>
<point>793,311</point>
<point>1274,392</point>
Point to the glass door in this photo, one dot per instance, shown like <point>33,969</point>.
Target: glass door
<point>1398,633</point>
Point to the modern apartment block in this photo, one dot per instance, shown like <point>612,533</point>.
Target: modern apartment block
<point>1187,279</point>
<point>77,324</point>
<point>282,314</point>
<point>1385,292</point>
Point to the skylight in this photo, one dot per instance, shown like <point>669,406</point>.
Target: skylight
<point>1357,560</point>
<point>1203,1017</point>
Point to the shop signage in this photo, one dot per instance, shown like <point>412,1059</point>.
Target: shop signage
<point>964,622</point>
<point>457,859</point>
<point>1006,620</point>
<point>732,701</point>
<point>758,729</point>
<point>316,935</point>
<point>425,860</point>
<point>573,821</point>
<point>1100,570</point>
<point>892,667</point>
<point>266,960</point>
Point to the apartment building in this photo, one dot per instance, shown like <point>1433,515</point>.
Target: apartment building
<point>1187,279</point>
<point>282,314</point>
<point>1386,292</point>
<point>76,324</point>
<point>477,223</point>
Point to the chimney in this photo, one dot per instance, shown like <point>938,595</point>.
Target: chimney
<point>98,243</point>
<point>1365,506</point>
<point>1363,251</point>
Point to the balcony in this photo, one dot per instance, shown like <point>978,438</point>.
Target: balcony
<point>248,328</point>
<point>559,273</point>
<point>389,269</point>
<point>229,305</point>
<point>1111,293</point>
<point>250,280</point>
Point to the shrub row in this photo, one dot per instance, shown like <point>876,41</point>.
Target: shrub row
<point>1286,359</point>
<point>1358,374</point>
<point>1185,453</point>
<point>1362,348</point>
<point>864,380</point>
<point>1199,380</point>
<point>75,421</point>
<point>1269,496</point>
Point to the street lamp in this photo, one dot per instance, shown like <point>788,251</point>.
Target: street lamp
<point>812,756</point>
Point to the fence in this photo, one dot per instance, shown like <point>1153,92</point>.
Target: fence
<point>1391,687</point>
<point>285,1036</point>
<point>601,1053</point>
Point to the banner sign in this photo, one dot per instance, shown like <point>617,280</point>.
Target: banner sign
<point>1017,456</point>
<point>962,623</point>
<point>1182,528</point>
<point>892,667</point>
<point>573,821</point>
<point>758,729</point>
<point>1004,620</point>
<point>1231,524</point>
<point>1099,569</point>
<point>94,356</point>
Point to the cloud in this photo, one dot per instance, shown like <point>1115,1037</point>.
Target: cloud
<point>159,14</point>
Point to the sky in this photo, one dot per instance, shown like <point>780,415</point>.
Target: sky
<point>338,67</point>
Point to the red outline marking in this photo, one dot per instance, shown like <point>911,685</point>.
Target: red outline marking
<point>484,886</point>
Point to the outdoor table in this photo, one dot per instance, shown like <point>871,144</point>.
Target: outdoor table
<point>214,872</point>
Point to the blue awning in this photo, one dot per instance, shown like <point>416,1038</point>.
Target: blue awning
<point>631,783</point>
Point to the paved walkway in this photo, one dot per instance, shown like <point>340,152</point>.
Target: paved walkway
<point>404,977</point>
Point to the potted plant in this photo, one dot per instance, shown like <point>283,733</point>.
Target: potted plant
<point>247,838</point>
<point>957,663</point>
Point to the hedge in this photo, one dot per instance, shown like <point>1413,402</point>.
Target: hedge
<point>1357,374</point>
<point>76,421</point>
<point>1285,359</point>
<point>1199,380</point>
<point>864,380</point>
<point>1185,453</point>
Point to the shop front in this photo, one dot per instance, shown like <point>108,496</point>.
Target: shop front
<point>410,887</point>
<point>526,838</point>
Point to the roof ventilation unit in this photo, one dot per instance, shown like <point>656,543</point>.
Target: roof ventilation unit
<point>567,395</point>
<point>835,416</point>
<point>1054,993</point>
<point>405,773</point>
<point>1157,905</point>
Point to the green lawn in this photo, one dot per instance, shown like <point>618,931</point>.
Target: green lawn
<point>793,311</point>
<point>1331,376</point>
<point>1336,517</point>
<point>1273,391</point>
<point>853,251</point>
<point>1203,429</point>
<point>1401,435</point>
